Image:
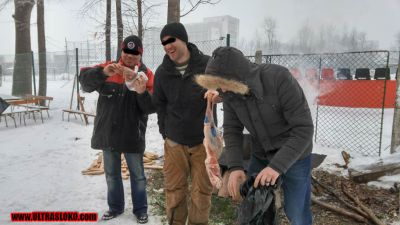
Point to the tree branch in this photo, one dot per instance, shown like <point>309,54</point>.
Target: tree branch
<point>3,4</point>
<point>195,5</point>
<point>336,195</point>
<point>339,210</point>
<point>371,214</point>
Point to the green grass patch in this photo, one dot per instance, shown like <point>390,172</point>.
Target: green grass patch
<point>223,210</point>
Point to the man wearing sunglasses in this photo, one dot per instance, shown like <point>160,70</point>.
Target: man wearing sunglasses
<point>181,108</point>
<point>120,123</point>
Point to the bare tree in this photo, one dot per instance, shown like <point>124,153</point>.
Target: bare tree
<point>139,15</point>
<point>140,19</point>
<point>193,5</point>
<point>22,80</point>
<point>269,27</point>
<point>353,40</point>
<point>132,16</point>
<point>41,48</point>
<point>108,31</point>
<point>305,37</point>
<point>328,39</point>
<point>87,8</point>
<point>96,10</point>
<point>120,26</point>
<point>174,11</point>
<point>4,3</point>
<point>398,39</point>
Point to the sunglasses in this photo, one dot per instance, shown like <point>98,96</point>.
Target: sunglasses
<point>168,41</point>
<point>132,52</point>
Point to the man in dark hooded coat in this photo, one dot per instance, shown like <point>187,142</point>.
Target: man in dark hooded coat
<point>267,101</point>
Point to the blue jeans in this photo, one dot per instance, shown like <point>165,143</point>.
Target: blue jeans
<point>296,185</point>
<point>115,189</point>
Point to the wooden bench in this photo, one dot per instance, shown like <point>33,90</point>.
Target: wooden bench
<point>8,113</point>
<point>77,112</point>
<point>81,112</point>
<point>18,107</point>
<point>23,105</point>
<point>41,103</point>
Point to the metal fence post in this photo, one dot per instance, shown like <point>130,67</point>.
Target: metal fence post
<point>33,74</point>
<point>228,40</point>
<point>77,74</point>
<point>258,57</point>
<point>1,76</point>
<point>317,108</point>
<point>396,116</point>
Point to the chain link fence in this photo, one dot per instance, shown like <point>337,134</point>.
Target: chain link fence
<point>62,65</point>
<point>351,92</point>
<point>348,114</point>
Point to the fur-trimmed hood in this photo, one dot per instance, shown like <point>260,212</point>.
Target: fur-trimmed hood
<point>229,69</point>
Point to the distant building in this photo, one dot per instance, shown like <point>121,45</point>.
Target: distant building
<point>212,28</point>
<point>207,35</point>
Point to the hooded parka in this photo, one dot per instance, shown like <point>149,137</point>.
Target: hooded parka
<point>267,101</point>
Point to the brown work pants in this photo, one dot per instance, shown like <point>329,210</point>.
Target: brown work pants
<point>180,163</point>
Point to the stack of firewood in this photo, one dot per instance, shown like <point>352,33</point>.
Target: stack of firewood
<point>97,167</point>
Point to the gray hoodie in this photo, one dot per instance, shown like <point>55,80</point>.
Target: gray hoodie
<point>268,102</point>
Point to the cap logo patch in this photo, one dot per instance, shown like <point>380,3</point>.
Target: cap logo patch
<point>131,45</point>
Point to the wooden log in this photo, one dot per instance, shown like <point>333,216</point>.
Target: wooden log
<point>339,210</point>
<point>149,163</point>
<point>155,167</point>
<point>367,210</point>
<point>337,196</point>
<point>373,172</point>
<point>93,172</point>
<point>151,155</point>
<point>146,160</point>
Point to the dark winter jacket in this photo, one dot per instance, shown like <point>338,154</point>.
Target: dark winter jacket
<point>268,102</point>
<point>121,117</point>
<point>179,100</point>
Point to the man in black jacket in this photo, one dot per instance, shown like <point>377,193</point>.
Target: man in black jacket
<point>120,123</point>
<point>267,101</point>
<point>181,108</point>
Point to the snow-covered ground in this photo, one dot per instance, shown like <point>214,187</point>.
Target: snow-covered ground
<point>41,164</point>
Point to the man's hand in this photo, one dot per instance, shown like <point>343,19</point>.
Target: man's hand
<point>236,178</point>
<point>140,84</point>
<point>213,95</point>
<point>130,75</point>
<point>112,69</point>
<point>267,176</point>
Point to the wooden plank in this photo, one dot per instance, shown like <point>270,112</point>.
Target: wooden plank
<point>373,172</point>
<point>39,97</point>
<point>79,112</point>
<point>23,101</point>
<point>82,108</point>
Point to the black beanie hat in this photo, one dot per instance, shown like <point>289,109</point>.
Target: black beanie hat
<point>132,45</point>
<point>176,30</point>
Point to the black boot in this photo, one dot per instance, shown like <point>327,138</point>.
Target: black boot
<point>110,215</point>
<point>142,218</point>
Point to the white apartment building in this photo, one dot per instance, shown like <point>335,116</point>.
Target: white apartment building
<point>207,35</point>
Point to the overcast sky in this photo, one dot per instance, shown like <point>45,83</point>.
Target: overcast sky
<point>375,17</point>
